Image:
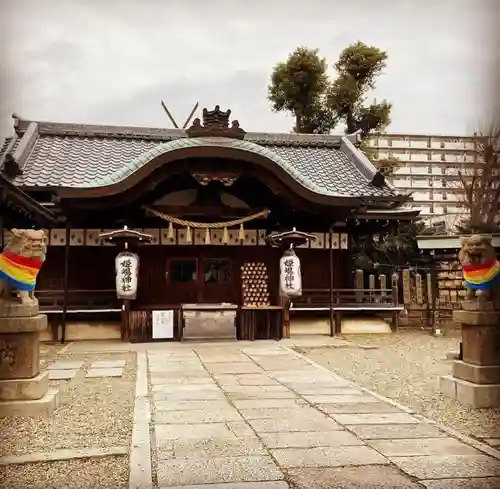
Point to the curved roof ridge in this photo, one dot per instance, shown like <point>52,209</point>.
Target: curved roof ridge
<point>165,134</point>
<point>184,143</point>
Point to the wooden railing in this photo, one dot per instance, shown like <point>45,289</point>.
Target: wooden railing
<point>321,299</point>
<point>348,301</point>
<point>53,300</point>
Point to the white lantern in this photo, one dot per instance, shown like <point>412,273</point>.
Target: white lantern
<point>290,275</point>
<point>127,273</point>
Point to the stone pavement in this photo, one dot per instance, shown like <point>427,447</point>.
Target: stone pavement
<point>260,416</point>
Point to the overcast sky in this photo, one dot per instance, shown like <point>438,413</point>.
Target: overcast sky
<point>112,61</point>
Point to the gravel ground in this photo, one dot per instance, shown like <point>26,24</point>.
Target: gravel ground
<point>95,412</point>
<point>103,473</point>
<point>405,367</point>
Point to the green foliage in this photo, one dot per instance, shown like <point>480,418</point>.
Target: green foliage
<point>387,165</point>
<point>389,248</point>
<point>300,85</point>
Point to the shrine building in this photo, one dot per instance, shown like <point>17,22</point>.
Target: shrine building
<point>158,234</point>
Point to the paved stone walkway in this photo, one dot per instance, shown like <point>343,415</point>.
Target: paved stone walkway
<point>240,416</point>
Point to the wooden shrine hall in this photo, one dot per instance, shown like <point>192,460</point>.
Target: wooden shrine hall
<point>172,234</point>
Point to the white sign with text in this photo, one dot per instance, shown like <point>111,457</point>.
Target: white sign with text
<point>163,324</point>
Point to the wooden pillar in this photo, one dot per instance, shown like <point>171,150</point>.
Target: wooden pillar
<point>383,285</point>
<point>395,301</point>
<point>333,324</point>
<point>65,283</point>
<point>360,284</point>
<point>371,285</point>
<point>286,317</point>
<point>125,320</point>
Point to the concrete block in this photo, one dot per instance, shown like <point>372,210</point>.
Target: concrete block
<point>24,389</point>
<point>477,395</point>
<point>104,372</point>
<point>108,364</point>
<point>65,365</point>
<point>447,386</point>
<point>62,374</point>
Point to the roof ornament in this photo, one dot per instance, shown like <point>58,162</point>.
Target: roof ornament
<point>173,121</point>
<point>216,124</point>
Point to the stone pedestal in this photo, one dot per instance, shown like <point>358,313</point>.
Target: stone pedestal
<point>475,379</point>
<point>24,391</point>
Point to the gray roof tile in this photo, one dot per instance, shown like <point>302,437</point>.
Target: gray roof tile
<point>79,156</point>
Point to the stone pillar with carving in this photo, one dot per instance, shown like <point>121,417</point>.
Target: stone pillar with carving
<point>24,390</point>
<point>475,378</point>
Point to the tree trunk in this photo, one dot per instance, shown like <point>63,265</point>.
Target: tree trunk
<point>298,123</point>
<point>351,124</point>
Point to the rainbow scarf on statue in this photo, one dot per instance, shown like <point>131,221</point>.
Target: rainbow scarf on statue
<point>483,276</point>
<point>20,272</point>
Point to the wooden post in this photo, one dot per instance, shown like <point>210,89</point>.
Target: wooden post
<point>333,326</point>
<point>360,275</point>
<point>430,294</point>
<point>286,317</point>
<point>125,320</point>
<point>383,285</point>
<point>371,285</point>
<point>65,283</point>
<point>395,301</point>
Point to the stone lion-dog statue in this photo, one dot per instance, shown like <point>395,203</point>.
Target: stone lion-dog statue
<point>20,262</point>
<point>481,269</point>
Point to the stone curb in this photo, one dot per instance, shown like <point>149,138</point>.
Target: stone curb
<point>63,454</point>
<point>464,438</point>
<point>140,470</point>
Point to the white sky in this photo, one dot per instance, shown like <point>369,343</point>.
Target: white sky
<point>111,61</point>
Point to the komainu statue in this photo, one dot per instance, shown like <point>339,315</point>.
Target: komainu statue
<point>20,262</point>
<point>481,269</point>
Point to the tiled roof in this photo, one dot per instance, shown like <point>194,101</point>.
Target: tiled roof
<point>70,155</point>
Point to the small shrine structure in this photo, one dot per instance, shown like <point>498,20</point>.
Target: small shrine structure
<point>209,197</point>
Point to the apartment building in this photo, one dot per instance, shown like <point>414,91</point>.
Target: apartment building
<point>429,171</point>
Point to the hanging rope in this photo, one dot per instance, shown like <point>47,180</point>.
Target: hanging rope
<point>207,225</point>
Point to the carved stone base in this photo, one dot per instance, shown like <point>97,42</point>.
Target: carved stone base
<point>20,346</point>
<point>39,407</point>
<point>478,374</point>
<point>16,309</point>
<point>478,305</point>
<point>24,389</point>
<point>469,393</point>
<point>481,344</point>
<point>476,317</point>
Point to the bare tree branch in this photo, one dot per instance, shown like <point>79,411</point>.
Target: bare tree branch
<point>480,182</point>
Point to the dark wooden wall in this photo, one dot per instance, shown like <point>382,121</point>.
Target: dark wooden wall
<point>92,268</point>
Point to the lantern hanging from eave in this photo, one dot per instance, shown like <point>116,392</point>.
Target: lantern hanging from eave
<point>290,275</point>
<point>127,273</point>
